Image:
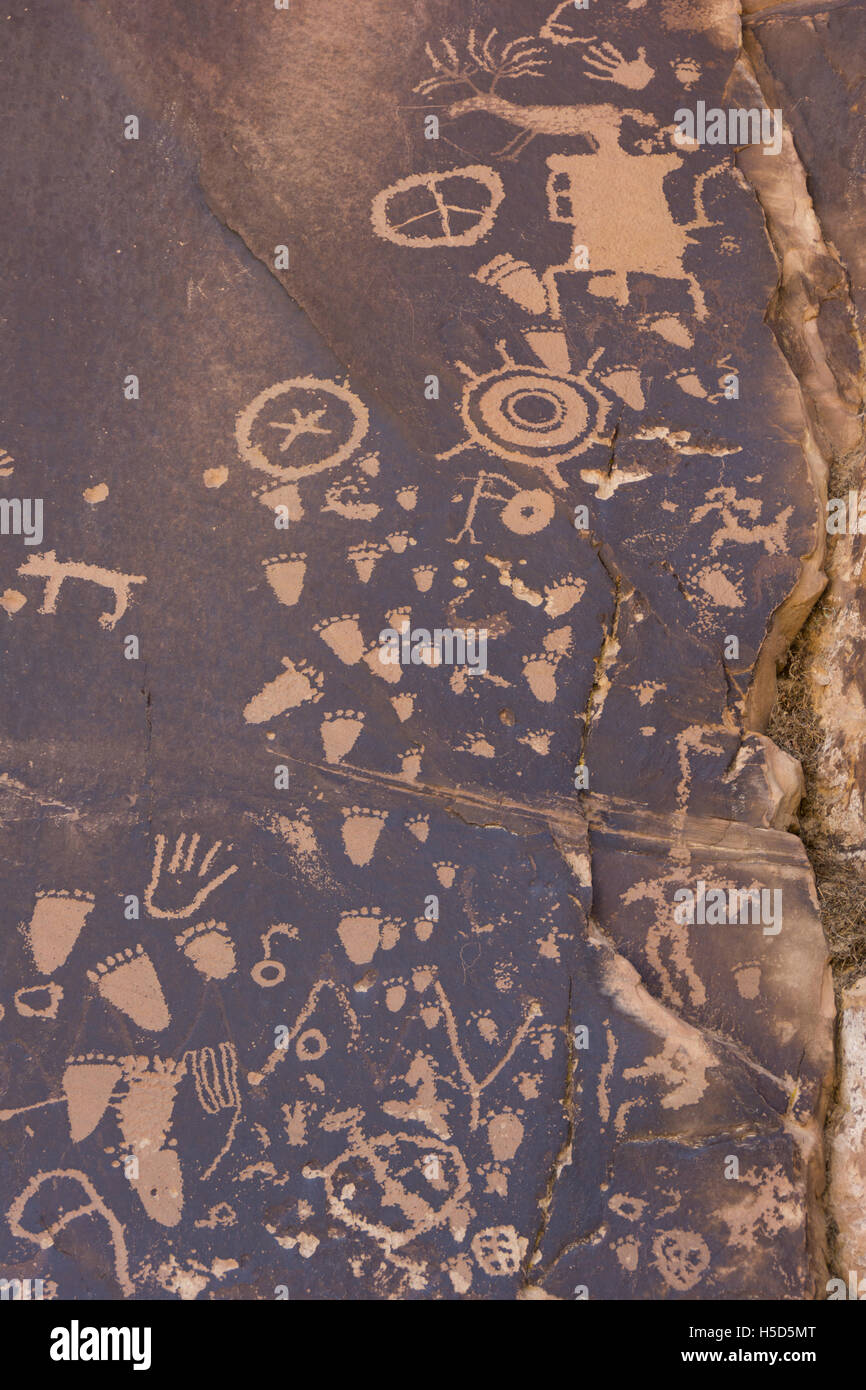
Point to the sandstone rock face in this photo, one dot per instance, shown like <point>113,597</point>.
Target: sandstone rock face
<point>495,969</point>
<point>848,1151</point>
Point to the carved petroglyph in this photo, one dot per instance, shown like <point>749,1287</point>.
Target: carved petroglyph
<point>130,982</point>
<point>323,412</point>
<point>44,1236</point>
<point>55,572</point>
<point>55,926</point>
<point>532,415</point>
<point>182,876</point>
<point>456,208</point>
<point>426,1021</point>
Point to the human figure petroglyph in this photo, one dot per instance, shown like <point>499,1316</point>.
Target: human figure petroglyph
<point>302,422</point>
<point>526,511</point>
<point>676,965</point>
<point>648,241</point>
<point>46,566</point>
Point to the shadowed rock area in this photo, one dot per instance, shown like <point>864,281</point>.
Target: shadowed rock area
<point>432,431</point>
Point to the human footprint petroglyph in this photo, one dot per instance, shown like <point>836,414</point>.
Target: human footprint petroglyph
<point>297,685</point>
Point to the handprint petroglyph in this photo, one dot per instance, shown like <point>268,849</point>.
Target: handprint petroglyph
<point>182,874</point>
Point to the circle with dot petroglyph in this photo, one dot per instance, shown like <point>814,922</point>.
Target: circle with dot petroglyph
<point>268,973</point>
<point>528,511</point>
<point>311,1045</point>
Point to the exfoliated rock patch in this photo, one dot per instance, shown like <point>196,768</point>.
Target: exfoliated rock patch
<point>401,895</point>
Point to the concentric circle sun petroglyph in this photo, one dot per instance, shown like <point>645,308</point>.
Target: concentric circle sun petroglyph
<point>532,415</point>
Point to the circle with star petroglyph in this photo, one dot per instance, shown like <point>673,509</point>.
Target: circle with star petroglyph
<point>300,427</point>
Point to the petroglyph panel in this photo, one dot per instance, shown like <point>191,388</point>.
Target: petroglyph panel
<point>402,893</point>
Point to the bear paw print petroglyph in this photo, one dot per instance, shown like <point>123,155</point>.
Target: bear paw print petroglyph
<point>55,925</point>
<point>89,1082</point>
<point>423,576</point>
<point>407,497</point>
<point>343,635</point>
<point>340,730</point>
<point>285,574</point>
<point>365,557</point>
<point>129,981</point>
<point>419,826</point>
<point>446,872</point>
<point>361,830</point>
<point>399,541</point>
<point>365,930</point>
<point>561,596</point>
<point>410,763</point>
<point>540,673</point>
<point>210,949</point>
